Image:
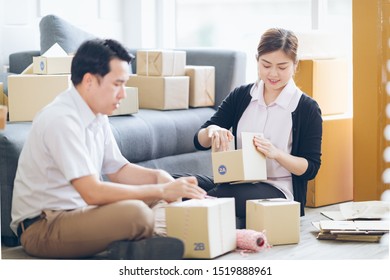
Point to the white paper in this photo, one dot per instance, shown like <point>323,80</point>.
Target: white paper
<point>365,210</point>
<point>55,51</point>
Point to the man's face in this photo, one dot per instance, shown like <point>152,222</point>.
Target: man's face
<point>108,91</point>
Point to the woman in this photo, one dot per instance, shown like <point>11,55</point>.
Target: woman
<point>276,108</point>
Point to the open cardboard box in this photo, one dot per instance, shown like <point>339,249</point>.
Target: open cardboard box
<point>53,61</point>
<point>244,165</point>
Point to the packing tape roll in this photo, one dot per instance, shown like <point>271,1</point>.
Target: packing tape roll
<point>251,240</point>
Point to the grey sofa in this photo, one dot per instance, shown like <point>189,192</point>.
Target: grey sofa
<point>151,138</point>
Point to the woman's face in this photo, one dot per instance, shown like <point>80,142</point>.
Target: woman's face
<point>275,69</point>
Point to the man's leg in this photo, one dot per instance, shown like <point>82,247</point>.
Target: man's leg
<point>87,231</point>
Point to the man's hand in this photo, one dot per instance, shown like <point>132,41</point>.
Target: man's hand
<point>164,177</point>
<point>182,187</point>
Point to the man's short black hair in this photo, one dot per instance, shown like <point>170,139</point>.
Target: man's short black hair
<point>94,56</point>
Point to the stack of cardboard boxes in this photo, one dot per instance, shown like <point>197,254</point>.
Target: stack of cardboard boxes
<point>165,82</point>
<point>43,80</point>
<point>326,80</point>
<point>38,84</point>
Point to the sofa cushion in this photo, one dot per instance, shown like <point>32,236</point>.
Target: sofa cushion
<point>57,30</point>
<point>153,134</point>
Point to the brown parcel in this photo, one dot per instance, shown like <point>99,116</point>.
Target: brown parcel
<point>162,93</point>
<point>3,97</point>
<point>3,116</point>
<point>29,93</point>
<point>202,85</point>
<point>207,227</point>
<point>161,62</point>
<point>279,218</point>
<point>245,165</point>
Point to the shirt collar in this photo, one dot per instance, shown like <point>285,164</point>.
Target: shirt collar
<point>284,98</point>
<point>86,115</point>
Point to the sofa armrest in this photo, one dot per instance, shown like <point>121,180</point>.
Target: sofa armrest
<point>21,60</point>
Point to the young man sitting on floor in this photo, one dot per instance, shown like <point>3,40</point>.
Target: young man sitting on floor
<point>61,207</point>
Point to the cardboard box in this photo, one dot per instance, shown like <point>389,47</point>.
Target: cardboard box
<point>279,218</point>
<point>207,227</point>
<point>3,116</point>
<point>162,93</point>
<point>161,62</point>
<point>29,93</point>
<point>202,85</point>
<point>334,181</point>
<point>52,65</point>
<point>245,165</point>
<point>3,97</point>
<point>128,105</point>
<point>54,61</point>
<point>326,80</point>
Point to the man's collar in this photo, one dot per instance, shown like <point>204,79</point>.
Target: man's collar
<point>86,114</point>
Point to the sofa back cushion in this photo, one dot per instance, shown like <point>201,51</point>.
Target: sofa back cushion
<point>57,30</point>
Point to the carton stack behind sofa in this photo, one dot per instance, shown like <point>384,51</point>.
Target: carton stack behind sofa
<point>151,138</point>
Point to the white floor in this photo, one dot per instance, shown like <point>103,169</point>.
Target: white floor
<point>308,248</point>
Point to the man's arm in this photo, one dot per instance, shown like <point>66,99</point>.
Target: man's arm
<point>136,182</point>
<point>137,175</point>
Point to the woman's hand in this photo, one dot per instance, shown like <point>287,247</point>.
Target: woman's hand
<point>295,165</point>
<point>266,147</point>
<point>220,137</point>
<point>182,187</point>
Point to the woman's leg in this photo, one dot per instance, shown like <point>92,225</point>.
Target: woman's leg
<point>245,191</point>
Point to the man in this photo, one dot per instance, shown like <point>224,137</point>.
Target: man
<point>61,207</point>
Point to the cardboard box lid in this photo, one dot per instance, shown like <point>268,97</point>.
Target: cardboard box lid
<point>273,201</point>
<point>204,203</point>
<point>329,225</point>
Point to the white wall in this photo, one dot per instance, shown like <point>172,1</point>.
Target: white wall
<point>19,27</point>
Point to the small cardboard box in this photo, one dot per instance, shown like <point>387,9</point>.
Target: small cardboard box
<point>245,165</point>
<point>29,93</point>
<point>52,65</point>
<point>326,80</point>
<point>207,227</point>
<point>128,105</point>
<point>162,93</point>
<point>3,116</point>
<point>3,97</point>
<point>279,218</point>
<point>54,61</point>
<point>161,62</point>
<point>202,85</point>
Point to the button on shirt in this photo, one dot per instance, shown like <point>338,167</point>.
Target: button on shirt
<point>67,141</point>
<point>275,123</point>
